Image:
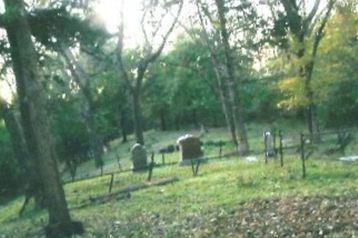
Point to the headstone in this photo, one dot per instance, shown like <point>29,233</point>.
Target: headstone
<point>139,157</point>
<point>268,140</point>
<point>190,148</point>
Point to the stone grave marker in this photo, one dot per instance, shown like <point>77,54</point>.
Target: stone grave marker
<point>139,157</point>
<point>190,148</point>
<point>268,143</point>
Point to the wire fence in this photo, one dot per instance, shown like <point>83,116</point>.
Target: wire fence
<point>275,145</point>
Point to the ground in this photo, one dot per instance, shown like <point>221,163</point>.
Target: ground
<point>230,197</point>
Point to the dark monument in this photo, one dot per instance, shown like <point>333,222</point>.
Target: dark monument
<point>190,149</point>
<point>139,157</point>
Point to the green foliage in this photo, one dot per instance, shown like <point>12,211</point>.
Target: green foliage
<point>182,85</point>
<point>10,176</point>
<point>56,27</point>
<point>337,66</point>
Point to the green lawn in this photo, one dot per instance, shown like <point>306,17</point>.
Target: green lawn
<point>230,197</point>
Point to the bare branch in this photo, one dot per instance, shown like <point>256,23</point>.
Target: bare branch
<point>143,27</point>
<point>205,11</point>
<point>119,56</point>
<point>319,33</point>
<point>312,13</point>
<point>70,60</point>
<point>152,57</point>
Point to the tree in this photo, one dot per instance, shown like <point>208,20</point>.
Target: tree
<point>336,79</point>
<point>59,31</point>
<point>34,117</point>
<point>148,56</point>
<point>228,29</point>
<point>302,31</point>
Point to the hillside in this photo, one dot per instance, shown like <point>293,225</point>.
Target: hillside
<point>230,197</point>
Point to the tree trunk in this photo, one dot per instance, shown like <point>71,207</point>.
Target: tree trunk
<point>137,113</point>
<point>96,143</point>
<point>34,118</point>
<point>124,125</point>
<point>177,122</point>
<point>235,102</point>
<point>312,119</point>
<point>227,110</point>
<point>163,124</point>
<point>223,97</point>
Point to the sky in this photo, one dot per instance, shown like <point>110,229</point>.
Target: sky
<point>108,11</point>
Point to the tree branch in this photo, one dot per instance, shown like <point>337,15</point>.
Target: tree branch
<point>2,21</point>
<point>319,33</point>
<point>77,73</point>
<point>312,13</point>
<point>144,62</point>
<point>152,57</point>
<point>119,56</point>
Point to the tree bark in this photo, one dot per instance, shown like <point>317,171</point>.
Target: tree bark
<point>163,124</point>
<point>235,102</point>
<point>223,95</point>
<point>124,124</point>
<point>137,113</point>
<point>35,119</point>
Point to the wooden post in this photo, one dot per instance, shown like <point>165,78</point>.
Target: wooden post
<point>220,149</point>
<point>151,166</point>
<point>303,155</point>
<point>192,166</point>
<point>111,183</point>
<point>265,143</point>
<point>195,166</point>
<point>274,142</point>
<point>163,158</point>
<point>118,161</point>
<point>281,147</point>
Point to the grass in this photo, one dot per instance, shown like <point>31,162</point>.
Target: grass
<point>222,186</point>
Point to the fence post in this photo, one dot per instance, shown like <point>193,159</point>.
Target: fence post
<point>302,137</point>
<point>274,142</point>
<point>151,166</point>
<point>265,143</point>
<point>281,147</point>
<point>220,149</point>
<point>111,183</point>
<point>118,161</point>
<point>163,159</point>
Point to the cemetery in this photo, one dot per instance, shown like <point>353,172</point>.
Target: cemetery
<point>178,118</point>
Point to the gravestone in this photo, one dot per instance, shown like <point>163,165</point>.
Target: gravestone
<point>268,140</point>
<point>139,157</point>
<point>190,148</point>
